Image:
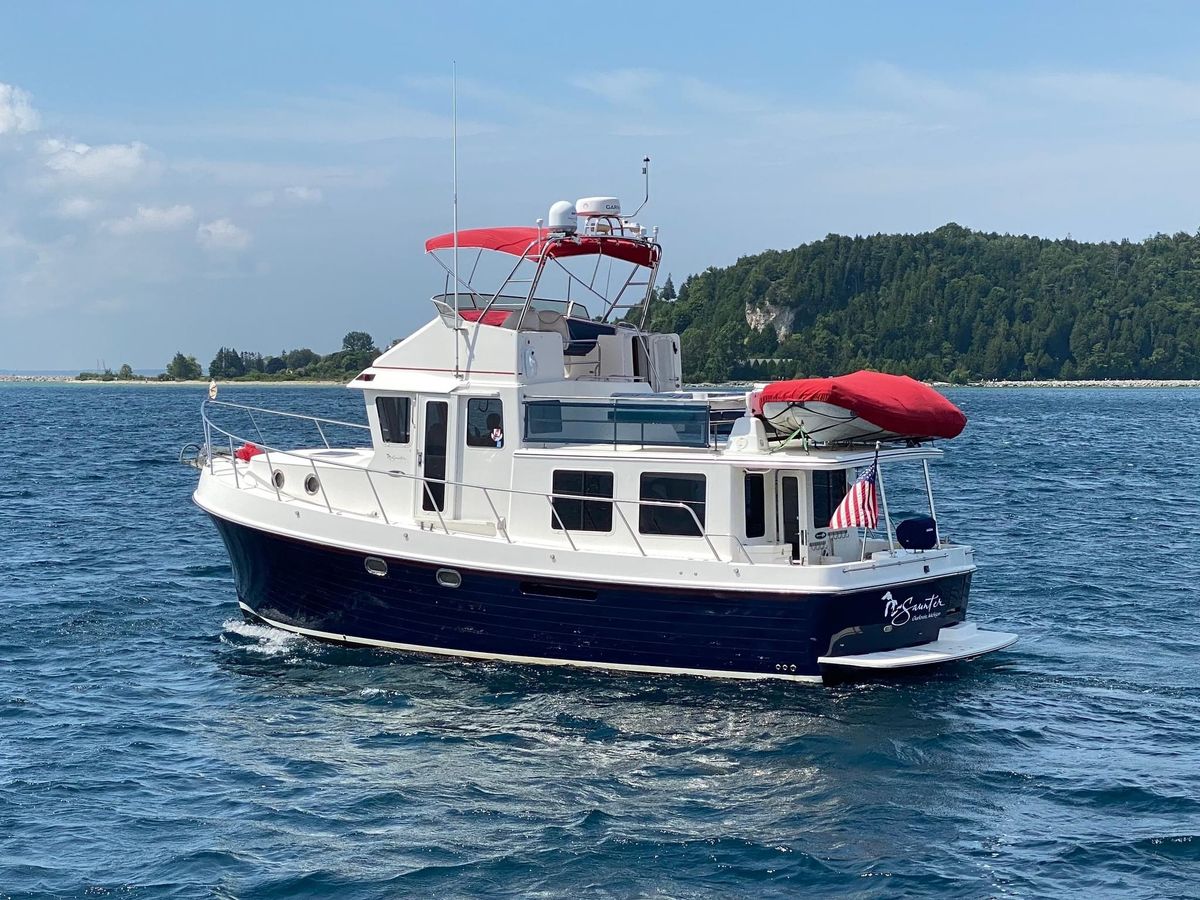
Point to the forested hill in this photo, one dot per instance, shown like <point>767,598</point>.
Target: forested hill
<point>949,304</point>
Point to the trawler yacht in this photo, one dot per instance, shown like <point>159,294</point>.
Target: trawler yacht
<point>533,484</point>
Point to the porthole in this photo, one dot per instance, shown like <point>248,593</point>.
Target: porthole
<point>376,566</point>
<point>449,578</point>
<point>312,484</point>
<point>277,479</point>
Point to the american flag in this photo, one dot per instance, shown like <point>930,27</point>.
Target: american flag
<point>860,506</point>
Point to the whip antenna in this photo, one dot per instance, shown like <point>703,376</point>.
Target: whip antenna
<point>646,198</point>
<point>454,216</point>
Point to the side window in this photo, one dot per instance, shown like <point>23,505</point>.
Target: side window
<point>666,488</point>
<point>829,487</point>
<point>393,418</point>
<point>756,508</point>
<point>543,418</point>
<point>485,422</point>
<point>582,515</point>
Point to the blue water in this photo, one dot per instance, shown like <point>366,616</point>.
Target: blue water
<point>153,745</point>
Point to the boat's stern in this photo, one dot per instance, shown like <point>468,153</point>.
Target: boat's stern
<point>954,643</point>
<point>905,626</point>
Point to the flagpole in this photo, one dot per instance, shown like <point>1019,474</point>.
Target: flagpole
<point>937,536</point>
<point>887,519</point>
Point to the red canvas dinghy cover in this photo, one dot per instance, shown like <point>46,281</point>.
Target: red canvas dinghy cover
<point>894,403</point>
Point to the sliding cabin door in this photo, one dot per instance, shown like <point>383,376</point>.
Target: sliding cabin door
<point>790,492</point>
<point>432,459</point>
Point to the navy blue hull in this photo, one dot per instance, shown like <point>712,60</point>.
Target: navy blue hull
<point>326,589</point>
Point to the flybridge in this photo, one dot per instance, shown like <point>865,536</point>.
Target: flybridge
<point>603,266</point>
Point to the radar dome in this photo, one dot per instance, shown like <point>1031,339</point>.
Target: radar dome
<point>598,206</point>
<point>562,217</point>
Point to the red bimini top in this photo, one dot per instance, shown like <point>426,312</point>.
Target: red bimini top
<point>521,240</point>
<point>894,403</point>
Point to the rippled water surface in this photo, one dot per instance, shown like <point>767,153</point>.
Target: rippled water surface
<point>153,745</point>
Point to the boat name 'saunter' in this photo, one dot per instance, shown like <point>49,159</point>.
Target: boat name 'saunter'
<point>901,612</point>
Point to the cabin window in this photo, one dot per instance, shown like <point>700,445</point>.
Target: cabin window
<point>829,487</point>
<point>756,504</point>
<point>543,419</point>
<point>582,515</point>
<point>485,422</point>
<point>393,419</point>
<point>663,488</point>
<point>617,421</point>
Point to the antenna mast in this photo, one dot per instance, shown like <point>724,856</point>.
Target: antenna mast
<point>646,198</point>
<point>454,163</point>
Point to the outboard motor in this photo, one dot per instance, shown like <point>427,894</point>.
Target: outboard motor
<point>919,533</point>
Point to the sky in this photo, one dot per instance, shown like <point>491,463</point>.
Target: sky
<point>185,176</point>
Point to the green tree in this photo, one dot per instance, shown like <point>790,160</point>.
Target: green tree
<point>951,302</point>
<point>298,359</point>
<point>252,362</point>
<point>358,342</point>
<point>227,363</point>
<point>184,368</point>
<point>125,373</point>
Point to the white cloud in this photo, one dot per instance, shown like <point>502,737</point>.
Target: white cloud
<point>108,305</point>
<point>151,218</point>
<point>301,194</point>
<point>910,89</point>
<point>222,234</point>
<point>622,87</point>
<point>76,208</point>
<point>1120,92</point>
<point>247,175</point>
<point>716,99</point>
<point>296,195</point>
<point>340,118</point>
<point>17,115</point>
<point>104,164</point>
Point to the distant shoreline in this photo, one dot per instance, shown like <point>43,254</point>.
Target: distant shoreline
<point>1082,383</point>
<point>150,382</point>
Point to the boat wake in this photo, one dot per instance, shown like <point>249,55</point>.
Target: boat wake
<point>260,639</point>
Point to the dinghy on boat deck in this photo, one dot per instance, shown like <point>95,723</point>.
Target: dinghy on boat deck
<point>859,408</point>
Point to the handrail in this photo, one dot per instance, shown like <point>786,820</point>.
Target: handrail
<point>276,412</point>
<point>210,427</point>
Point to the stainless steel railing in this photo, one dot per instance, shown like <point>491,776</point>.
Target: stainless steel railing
<point>209,455</point>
